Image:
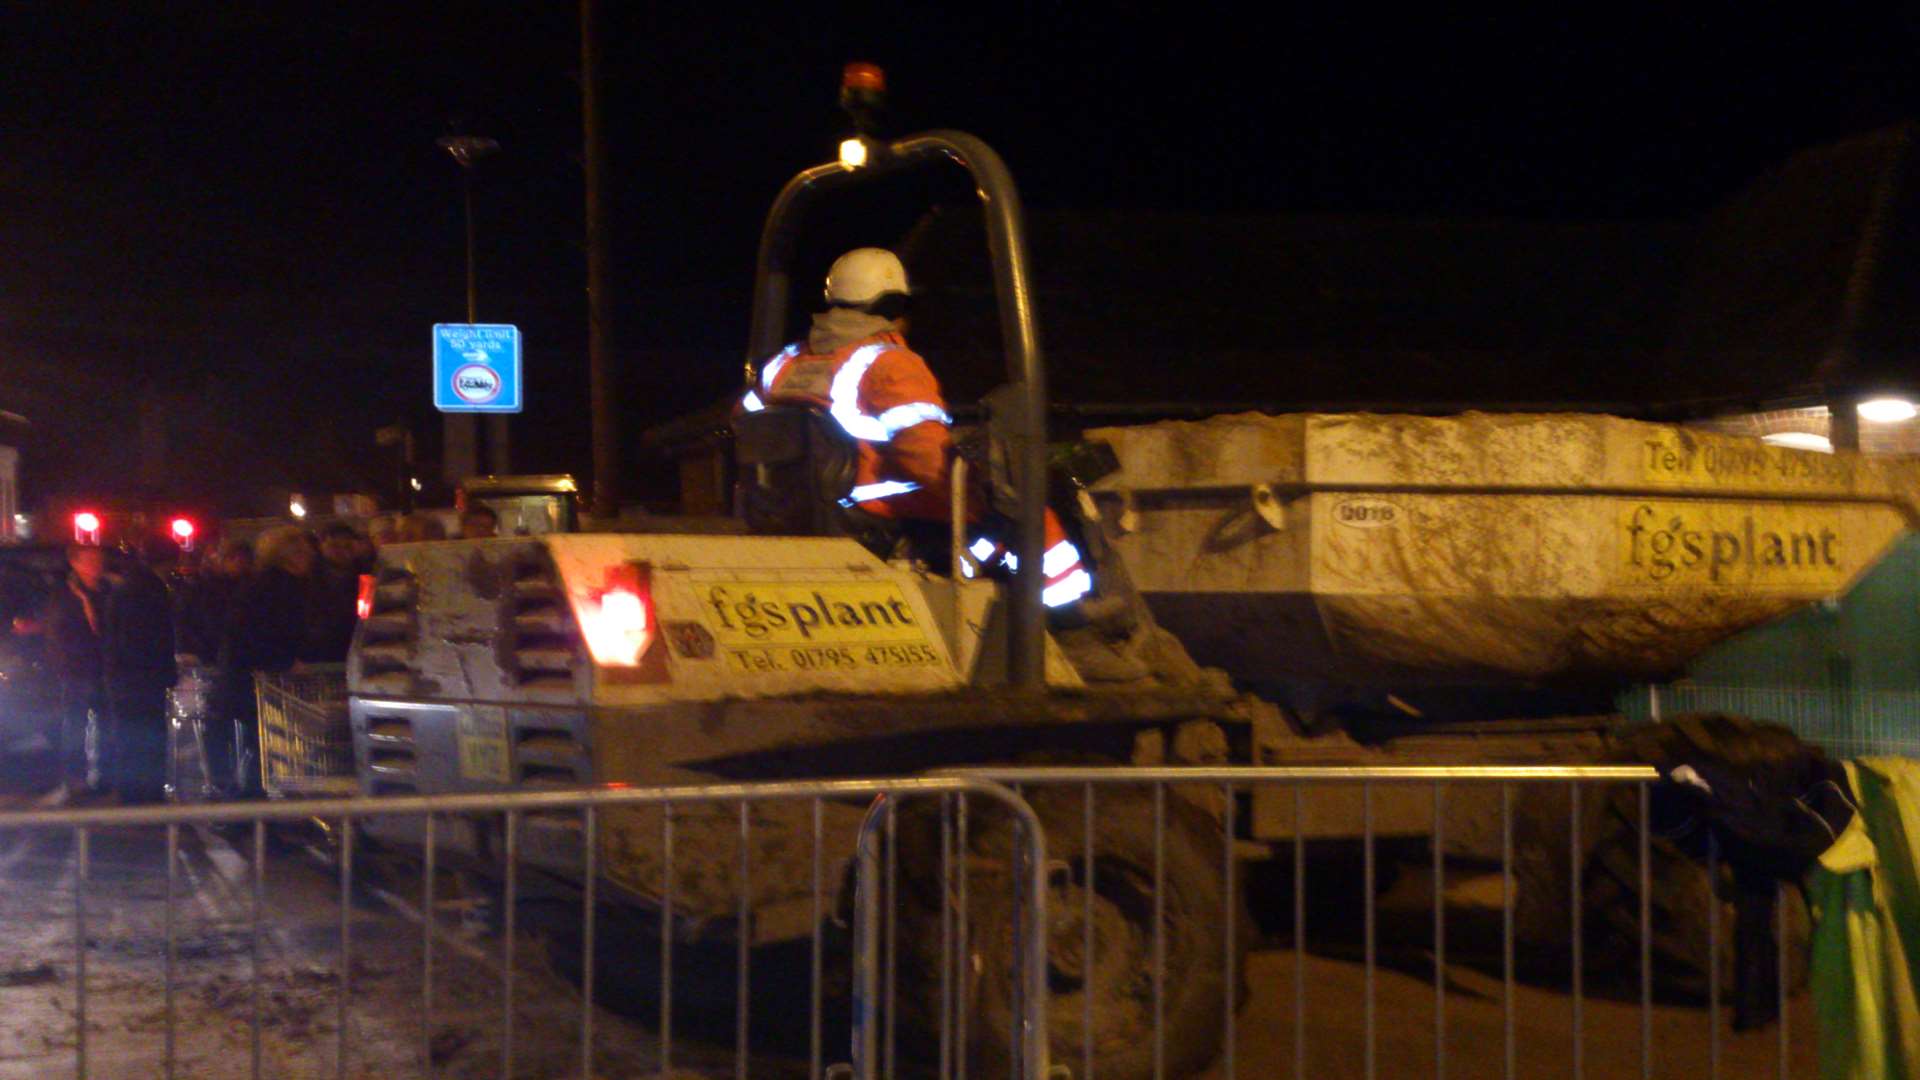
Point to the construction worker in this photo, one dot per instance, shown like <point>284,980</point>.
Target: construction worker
<point>856,365</point>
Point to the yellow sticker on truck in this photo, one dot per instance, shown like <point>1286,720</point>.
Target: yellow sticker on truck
<point>482,735</point>
<point>1734,546</point>
<point>782,627</point>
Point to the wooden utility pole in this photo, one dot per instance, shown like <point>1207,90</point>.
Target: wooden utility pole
<point>606,445</point>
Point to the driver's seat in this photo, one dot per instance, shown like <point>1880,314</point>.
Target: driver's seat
<point>797,466</point>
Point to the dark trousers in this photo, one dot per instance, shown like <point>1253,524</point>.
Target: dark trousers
<point>136,744</point>
<point>232,721</point>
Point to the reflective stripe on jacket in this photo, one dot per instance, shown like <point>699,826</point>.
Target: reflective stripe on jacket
<point>885,397</point>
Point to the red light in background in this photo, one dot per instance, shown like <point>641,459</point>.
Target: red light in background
<point>86,521</point>
<point>363,603</point>
<point>182,529</point>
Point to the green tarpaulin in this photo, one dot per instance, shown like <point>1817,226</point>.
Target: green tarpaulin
<point>1865,895</point>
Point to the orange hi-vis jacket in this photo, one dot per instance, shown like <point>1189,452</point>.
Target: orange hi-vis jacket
<point>886,398</point>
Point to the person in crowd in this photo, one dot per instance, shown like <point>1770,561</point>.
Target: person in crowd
<point>265,630</point>
<point>479,522</point>
<point>335,590</point>
<point>383,530</point>
<point>137,661</point>
<point>416,527</point>
<point>205,601</point>
<point>365,552</point>
<point>76,614</point>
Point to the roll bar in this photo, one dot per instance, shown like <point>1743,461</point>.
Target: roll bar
<point>1026,429</point>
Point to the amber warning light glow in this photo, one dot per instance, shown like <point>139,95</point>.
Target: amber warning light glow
<point>860,75</point>
<point>618,622</point>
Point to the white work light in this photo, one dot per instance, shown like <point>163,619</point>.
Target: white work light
<point>1887,410</point>
<point>1799,440</point>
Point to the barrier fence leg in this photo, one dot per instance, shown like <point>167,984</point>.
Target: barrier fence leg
<point>1439,933</point>
<point>666,940</point>
<point>1086,933</point>
<point>1646,933</point>
<point>428,923</point>
<point>80,860</point>
<point>1506,924</point>
<point>1713,955</point>
<point>346,947</point>
<point>1034,1056</point>
<point>1299,937</point>
<point>946,935</point>
<point>1016,839</point>
<point>1574,904</point>
<point>590,827</point>
<point>257,912</point>
<point>1227,962</point>
<point>866,933</point>
<point>1368,913</point>
<point>744,921</point>
<point>1159,931</point>
<point>892,895</point>
<point>817,959</point>
<point>510,917</point>
<point>173,885</point>
<point>964,989</point>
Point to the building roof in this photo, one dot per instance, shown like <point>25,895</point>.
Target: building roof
<point>1805,279</point>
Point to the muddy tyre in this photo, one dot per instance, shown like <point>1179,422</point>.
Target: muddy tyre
<point>1680,902</point>
<point>1120,980</point>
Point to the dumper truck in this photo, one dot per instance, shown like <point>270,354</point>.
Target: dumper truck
<point>1286,571</point>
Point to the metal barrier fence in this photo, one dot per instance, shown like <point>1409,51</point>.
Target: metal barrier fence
<point>874,953</point>
<point>1079,836</point>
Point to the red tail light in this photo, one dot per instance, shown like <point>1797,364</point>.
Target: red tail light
<point>618,623</point>
<point>363,603</point>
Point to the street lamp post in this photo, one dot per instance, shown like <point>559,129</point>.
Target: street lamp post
<point>462,458</point>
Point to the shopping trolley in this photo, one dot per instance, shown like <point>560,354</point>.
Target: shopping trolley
<point>306,743</point>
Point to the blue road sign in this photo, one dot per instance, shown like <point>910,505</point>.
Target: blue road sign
<point>476,367</point>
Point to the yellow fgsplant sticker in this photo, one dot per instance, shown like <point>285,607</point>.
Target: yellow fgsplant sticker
<point>775,628</point>
<point>1732,546</point>
<point>800,613</point>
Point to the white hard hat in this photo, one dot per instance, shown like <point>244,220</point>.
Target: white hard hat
<point>864,275</point>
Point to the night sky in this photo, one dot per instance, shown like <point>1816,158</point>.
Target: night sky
<point>240,217</point>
